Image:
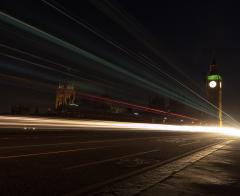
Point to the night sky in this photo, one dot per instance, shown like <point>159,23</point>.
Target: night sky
<point>143,41</point>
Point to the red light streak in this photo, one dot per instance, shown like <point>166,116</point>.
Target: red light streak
<point>134,106</point>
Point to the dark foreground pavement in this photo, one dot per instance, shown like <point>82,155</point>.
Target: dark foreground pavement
<point>215,174</point>
<point>85,162</point>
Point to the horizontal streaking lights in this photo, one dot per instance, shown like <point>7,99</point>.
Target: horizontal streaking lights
<point>50,123</point>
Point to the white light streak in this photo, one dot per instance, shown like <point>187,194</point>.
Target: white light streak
<point>51,123</point>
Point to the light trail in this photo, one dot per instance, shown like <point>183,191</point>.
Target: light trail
<point>50,123</point>
<point>139,57</point>
<point>152,84</point>
<point>119,15</point>
<point>67,71</point>
<point>139,80</point>
<point>35,56</point>
<point>134,106</point>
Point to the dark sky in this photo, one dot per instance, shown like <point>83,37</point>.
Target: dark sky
<point>179,37</point>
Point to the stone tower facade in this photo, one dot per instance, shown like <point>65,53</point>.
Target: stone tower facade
<point>65,95</point>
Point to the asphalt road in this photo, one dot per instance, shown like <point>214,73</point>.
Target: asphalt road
<point>68,162</point>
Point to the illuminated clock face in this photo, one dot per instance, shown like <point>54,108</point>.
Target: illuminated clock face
<point>212,84</point>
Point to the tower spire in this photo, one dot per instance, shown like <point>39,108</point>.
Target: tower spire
<point>213,68</point>
<point>214,61</point>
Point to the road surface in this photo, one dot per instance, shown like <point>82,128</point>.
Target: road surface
<point>71,162</point>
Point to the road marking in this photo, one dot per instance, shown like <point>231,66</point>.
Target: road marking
<point>108,160</point>
<point>82,142</point>
<point>53,152</point>
<point>136,184</point>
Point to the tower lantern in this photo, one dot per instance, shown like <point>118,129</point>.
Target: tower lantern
<point>214,89</point>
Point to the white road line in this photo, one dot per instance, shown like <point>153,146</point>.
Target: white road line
<point>82,142</point>
<point>53,152</point>
<point>108,160</point>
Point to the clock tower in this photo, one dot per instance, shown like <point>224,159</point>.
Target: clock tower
<point>214,90</point>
